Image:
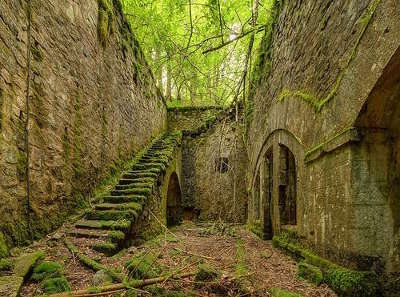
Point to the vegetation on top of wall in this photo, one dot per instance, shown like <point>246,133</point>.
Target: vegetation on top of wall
<point>344,281</point>
<point>318,103</point>
<point>194,108</point>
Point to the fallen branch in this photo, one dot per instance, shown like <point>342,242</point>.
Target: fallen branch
<point>90,263</point>
<point>121,286</point>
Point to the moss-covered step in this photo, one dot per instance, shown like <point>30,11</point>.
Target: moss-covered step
<point>97,234</point>
<point>124,199</point>
<point>119,206</point>
<point>139,174</point>
<point>134,185</point>
<point>132,191</point>
<point>112,215</point>
<point>121,225</point>
<point>128,181</point>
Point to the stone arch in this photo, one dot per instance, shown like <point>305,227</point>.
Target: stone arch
<point>174,201</point>
<point>280,144</point>
<point>376,168</point>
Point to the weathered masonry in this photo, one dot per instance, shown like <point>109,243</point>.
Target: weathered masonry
<point>214,164</point>
<point>324,140</point>
<point>93,104</point>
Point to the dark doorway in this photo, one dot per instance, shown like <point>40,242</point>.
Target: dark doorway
<point>174,205</point>
<point>287,187</point>
<point>268,232</point>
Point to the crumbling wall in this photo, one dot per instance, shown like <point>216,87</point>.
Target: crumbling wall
<point>92,100</point>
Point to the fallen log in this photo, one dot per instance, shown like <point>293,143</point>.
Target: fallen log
<point>121,286</point>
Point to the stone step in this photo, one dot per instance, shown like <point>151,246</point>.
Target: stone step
<point>134,185</point>
<point>122,225</point>
<point>151,167</point>
<point>112,215</point>
<point>119,206</point>
<point>89,233</point>
<point>132,191</point>
<point>139,174</point>
<point>124,199</point>
<point>128,181</point>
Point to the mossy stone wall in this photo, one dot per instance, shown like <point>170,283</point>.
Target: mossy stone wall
<point>93,104</point>
<point>327,58</point>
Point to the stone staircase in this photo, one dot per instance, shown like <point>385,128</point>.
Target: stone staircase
<point>109,224</point>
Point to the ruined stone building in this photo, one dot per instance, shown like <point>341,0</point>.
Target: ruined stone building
<point>317,153</point>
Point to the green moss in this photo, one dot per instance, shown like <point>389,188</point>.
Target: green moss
<point>346,282</point>
<point>56,285</point>
<point>116,236</point>
<point>276,292</point>
<point>6,265</point>
<point>112,215</point>
<point>310,273</point>
<point>107,248</point>
<point>343,281</point>
<point>143,266</point>
<point>3,246</point>
<point>316,102</point>
<point>24,263</point>
<point>105,21</point>
<point>47,270</point>
<point>206,273</point>
<point>21,164</point>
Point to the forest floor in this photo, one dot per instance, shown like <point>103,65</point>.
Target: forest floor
<point>243,264</point>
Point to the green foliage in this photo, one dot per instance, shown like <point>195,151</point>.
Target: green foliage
<point>310,272</point>
<point>348,282</point>
<point>56,285</point>
<point>46,270</point>
<point>3,246</point>
<point>174,43</point>
<point>6,265</point>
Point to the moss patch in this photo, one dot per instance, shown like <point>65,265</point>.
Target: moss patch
<point>3,247</point>
<point>47,270</point>
<point>276,292</point>
<point>143,266</point>
<point>241,268</point>
<point>56,285</point>
<point>6,265</point>
<point>345,282</point>
<point>310,273</point>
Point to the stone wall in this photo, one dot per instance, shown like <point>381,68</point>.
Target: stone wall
<point>213,165</point>
<point>189,118</point>
<point>92,103</point>
<point>327,57</point>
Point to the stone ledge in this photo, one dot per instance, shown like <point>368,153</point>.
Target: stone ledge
<point>348,136</point>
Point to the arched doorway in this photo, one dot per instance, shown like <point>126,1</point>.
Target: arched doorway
<point>267,207</point>
<point>287,188</point>
<point>174,198</point>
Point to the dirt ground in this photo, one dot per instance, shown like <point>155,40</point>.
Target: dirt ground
<point>246,265</point>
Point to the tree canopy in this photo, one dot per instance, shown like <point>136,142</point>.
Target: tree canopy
<point>200,51</point>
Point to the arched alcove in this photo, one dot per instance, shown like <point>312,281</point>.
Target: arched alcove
<point>174,201</point>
